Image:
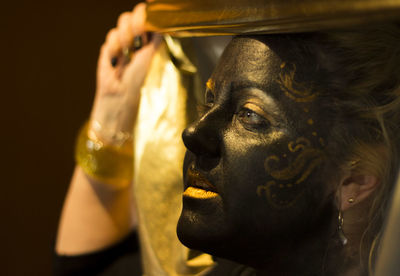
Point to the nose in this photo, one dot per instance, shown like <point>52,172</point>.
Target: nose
<point>202,136</point>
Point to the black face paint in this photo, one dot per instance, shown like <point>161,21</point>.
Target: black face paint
<point>252,173</point>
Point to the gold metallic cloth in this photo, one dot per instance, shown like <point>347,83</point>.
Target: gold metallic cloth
<point>211,17</point>
<point>164,112</point>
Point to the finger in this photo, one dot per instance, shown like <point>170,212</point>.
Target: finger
<point>113,45</point>
<point>124,28</point>
<point>131,32</point>
<point>141,37</point>
<point>141,62</point>
<point>131,24</point>
<point>138,19</point>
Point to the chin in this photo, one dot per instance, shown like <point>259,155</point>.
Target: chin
<point>213,236</point>
<point>207,235</point>
<point>202,238</point>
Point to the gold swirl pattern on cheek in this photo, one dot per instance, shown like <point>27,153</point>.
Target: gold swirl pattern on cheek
<point>307,156</point>
<point>287,179</point>
<point>294,90</point>
<point>300,143</point>
<point>285,189</point>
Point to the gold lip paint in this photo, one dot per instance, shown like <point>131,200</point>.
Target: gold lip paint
<point>199,193</point>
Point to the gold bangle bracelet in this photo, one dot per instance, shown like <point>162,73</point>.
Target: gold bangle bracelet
<point>106,163</point>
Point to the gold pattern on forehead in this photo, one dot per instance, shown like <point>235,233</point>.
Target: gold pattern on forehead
<point>296,91</point>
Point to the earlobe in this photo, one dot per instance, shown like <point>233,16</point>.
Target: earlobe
<point>356,188</point>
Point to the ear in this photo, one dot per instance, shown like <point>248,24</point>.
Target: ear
<point>356,188</point>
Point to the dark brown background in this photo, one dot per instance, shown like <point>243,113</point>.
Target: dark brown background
<point>49,53</point>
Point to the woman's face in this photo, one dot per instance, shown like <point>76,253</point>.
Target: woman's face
<point>253,172</point>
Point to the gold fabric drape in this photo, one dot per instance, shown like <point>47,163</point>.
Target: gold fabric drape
<point>164,111</point>
<point>211,17</point>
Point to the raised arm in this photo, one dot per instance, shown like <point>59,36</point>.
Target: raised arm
<point>97,213</point>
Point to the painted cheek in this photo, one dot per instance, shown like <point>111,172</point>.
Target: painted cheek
<point>290,169</point>
<point>289,173</point>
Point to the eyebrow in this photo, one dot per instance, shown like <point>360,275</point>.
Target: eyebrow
<point>235,85</point>
<point>245,84</point>
<point>255,89</point>
<point>259,92</point>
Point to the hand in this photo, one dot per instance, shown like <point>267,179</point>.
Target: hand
<point>118,87</point>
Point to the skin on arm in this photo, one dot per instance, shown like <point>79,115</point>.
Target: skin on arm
<point>96,215</point>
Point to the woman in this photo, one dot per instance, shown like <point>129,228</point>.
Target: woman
<point>290,167</point>
<point>288,215</point>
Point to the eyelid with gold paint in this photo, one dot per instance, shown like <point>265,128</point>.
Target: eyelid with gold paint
<point>250,118</point>
<point>261,112</point>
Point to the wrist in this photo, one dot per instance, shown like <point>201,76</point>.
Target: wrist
<point>110,135</point>
<point>112,118</point>
<point>105,162</point>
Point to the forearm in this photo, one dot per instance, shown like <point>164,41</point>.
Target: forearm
<point>95,215</point>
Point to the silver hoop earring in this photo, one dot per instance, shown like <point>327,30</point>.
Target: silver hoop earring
<point>342,237</point>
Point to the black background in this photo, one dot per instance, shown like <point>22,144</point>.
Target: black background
<point>48,63</point>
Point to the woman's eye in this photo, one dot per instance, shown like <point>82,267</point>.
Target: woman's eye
<point>251,118</point>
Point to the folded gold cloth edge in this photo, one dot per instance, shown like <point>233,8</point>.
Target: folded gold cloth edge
<point>223,17</point>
